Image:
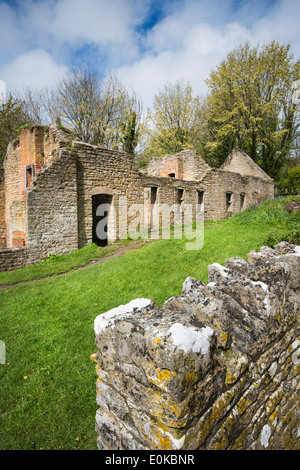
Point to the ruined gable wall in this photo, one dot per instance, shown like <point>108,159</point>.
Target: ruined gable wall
<point>215,368</point>
<point>2,210</point>
<point>239,162</point>
<point>52,210</point>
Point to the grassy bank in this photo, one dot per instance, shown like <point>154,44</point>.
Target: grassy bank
<point>47,386</point>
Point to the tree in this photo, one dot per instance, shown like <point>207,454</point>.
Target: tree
<point>95,110</point>
<point>171,126</point>
<point>250,105</point>
<point>37,104</point>
<point>130,134</point>
<point>12,117</point>
<point>291,184</point>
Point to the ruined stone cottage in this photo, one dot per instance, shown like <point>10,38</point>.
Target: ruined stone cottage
<point>51,186</point>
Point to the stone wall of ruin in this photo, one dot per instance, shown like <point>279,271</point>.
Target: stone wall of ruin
<point>243,166</point>
<point>216,183</point>
<point>2,210</point>
<point>52,210</point>
<point>55,139</point>
<point>185,165</point>
<point>34,216</point>
<point>15,210</point>
<point>215,368</point>
<point>103,171</point>
<point>13,258</point>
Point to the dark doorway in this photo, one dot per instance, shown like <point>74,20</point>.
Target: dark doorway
<point>101,206</point>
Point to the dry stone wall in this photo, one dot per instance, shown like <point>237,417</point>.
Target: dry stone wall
<point>13,258</point>
<point>215,368</point>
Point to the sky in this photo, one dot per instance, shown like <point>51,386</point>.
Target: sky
<point>146,43</point>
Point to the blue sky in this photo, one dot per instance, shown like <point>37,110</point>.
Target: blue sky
<point>147,43</point>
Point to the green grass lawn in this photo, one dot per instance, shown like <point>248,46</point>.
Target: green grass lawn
<point>47,386</point>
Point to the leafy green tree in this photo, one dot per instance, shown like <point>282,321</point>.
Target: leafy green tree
<point>291,184</point>
<point>171,126</point>
<point>251,106</point>
<point>12,117</point>
<point>130,134</point>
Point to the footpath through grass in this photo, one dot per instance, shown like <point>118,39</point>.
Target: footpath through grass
<point>47,385</point>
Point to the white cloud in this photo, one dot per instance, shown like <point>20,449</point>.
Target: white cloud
<point>199,51</point>
<point>281,23</point>
<point>56,25</point>
<point>192,41</point>
<point>32,69</point>
<point>39,37</point>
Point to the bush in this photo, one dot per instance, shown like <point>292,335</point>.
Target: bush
<point>292,236</point>
<point>291,184</point>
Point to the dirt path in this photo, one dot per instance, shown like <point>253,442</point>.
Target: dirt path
<point>119,252</point>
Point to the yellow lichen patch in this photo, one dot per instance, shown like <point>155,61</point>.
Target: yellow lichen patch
<point>221,445</point>
<point>224,336</point>
<point>190,377</point>
<point>157,340</point>
<point>270,405</point>
<point>164,375</point>
<point>163,441</point>
<point>242,404</point>
<point>230,379</point>
<point>93,357</point>
<point>273,417</point>
<point>240,441</point>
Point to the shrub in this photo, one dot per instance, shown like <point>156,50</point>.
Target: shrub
<point>291,236</point>
<point>291,184</point>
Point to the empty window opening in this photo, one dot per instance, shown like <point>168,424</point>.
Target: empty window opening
<point>171,175</point>
<point>153,195</point>
<point>101,204</point>
<point>179,199</point>
<point>29,174</point>
<point>200,201</point>
<point>242,201</point>
<point>228,201</point>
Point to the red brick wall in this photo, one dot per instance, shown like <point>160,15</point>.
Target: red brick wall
<point>32,151</point>
<point>173,165</point>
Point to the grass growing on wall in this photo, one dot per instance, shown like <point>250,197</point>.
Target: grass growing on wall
<point>47,386</point>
